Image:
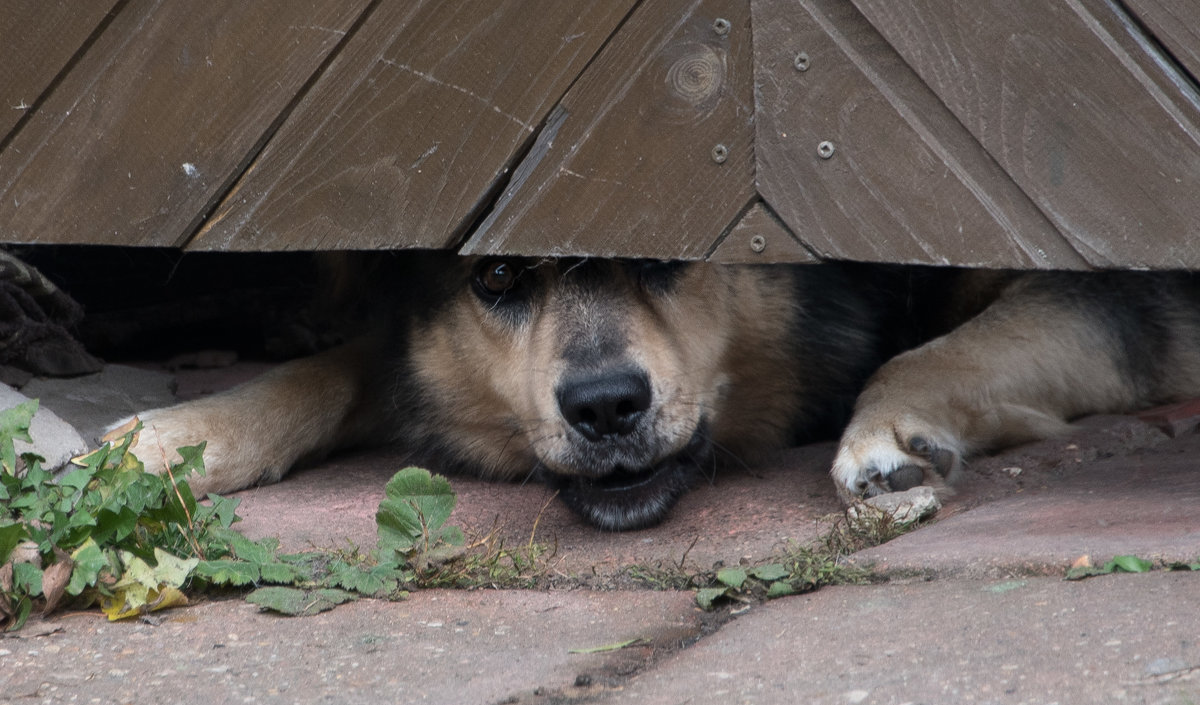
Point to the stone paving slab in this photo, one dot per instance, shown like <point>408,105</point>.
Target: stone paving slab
<point>739,515</point>
<point>92,402</point>
<point>1115,639</point>
<point>1119,485</point>
<point>1146,504</point>
<point>456,648</point>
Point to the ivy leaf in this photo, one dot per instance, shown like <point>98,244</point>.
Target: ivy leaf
<point>222,509</point>
<point>89,561</point>
<point>28,578</point>
<point>171,570</point>
<point>114,525</point>
<point>14,426</point>
<point>144,588</point>
<point>10,536</point>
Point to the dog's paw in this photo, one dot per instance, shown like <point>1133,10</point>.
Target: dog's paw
<point>874,458</point>
<point>166,430</point>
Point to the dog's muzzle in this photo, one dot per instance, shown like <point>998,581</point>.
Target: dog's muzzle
<point>608,485</point>
<point>626,499</point>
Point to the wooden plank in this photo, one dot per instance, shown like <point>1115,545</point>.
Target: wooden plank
<point>1082,113</point>
<point>759,237</point>
<point>155,120</point>
<point>37,39</point>
<point>902,181</point>
<point>651,153</point>
<point>1175,23</point>
<point>402,140</point>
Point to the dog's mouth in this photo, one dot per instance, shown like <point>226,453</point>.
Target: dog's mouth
<point>627,499</point>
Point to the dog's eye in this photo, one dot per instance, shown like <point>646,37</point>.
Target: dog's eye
<point>496,277</point>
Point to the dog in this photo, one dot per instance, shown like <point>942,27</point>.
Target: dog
<point>621,382</point>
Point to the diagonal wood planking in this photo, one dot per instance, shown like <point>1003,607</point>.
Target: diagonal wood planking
<point>1175,23</point>
<point>1081,111</point>
<point>650,154</point>
<point>900,179</point>
<point>760,237</point>
<point>158,116</point>
<point>37,40</point>
<point>403,139</point>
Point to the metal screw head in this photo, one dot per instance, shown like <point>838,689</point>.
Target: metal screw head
<point>721,26</point>
<point>758,243</point>
<point>802,61</point>
<point>825,149</point>
<point>720,153</point>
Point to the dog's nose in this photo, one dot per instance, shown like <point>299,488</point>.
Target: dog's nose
<point>608,404</point>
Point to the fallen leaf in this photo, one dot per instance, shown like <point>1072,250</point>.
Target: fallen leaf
<point>55,580</point>
<point>606,647</point>
<point>117,433</point>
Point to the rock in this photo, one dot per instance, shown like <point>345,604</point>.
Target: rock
<point>92,403</point>
<point>902,507</point>
<point>53,439</point>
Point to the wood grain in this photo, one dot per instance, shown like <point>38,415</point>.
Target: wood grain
<point>1082,113</point>
<point>155,120</point>
<point>626,165</point>
<point>904,181</point>
<point>405,138</point>
<point>760,237</point>
<point>37,39</point>
<point>1175,23</point>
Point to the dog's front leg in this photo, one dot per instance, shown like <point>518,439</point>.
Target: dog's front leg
<point>1020,370</point>
<point>256,432</point>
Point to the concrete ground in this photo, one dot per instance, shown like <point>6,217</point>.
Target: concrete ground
<point>971,607</point>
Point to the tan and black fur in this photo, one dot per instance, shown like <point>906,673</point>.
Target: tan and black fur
<point>621,382</point>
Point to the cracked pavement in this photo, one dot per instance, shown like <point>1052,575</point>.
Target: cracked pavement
<point>969,608</point>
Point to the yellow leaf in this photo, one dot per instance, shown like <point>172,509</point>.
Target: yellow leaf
<point>116,434</point>
<point>132,602</point>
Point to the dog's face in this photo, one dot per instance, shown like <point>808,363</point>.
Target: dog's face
<point>613,378</point>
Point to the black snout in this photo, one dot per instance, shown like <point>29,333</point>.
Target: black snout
<point>604,405</point>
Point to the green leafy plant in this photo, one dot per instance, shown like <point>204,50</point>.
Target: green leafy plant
<point>106,532</point>
<point>798,570</point>
<point>412,520</point>
<point>1121,564</point>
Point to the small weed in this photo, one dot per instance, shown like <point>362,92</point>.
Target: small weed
<point>804,568</point>
<point>869,527</point>
<point>658,578</point>
<point>1083,568</point>
<point>108,533</point>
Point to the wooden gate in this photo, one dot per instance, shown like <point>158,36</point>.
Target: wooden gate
<point>1014,133</point>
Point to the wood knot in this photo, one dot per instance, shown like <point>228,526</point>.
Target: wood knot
<point>697,74</point>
